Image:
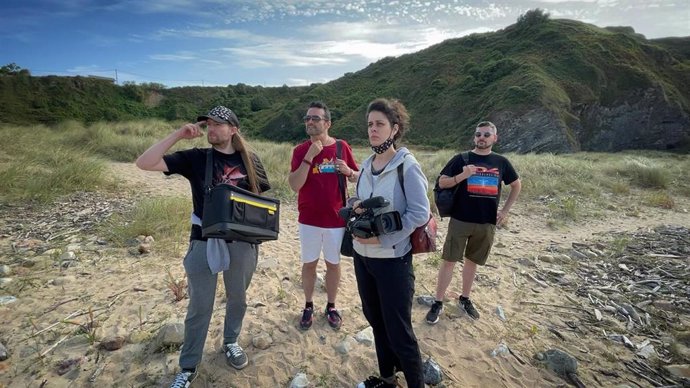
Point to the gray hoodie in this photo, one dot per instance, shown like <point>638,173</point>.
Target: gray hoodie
<point>413,204</point>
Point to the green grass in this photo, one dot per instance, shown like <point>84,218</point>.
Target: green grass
<point>44,163</point>
<point>39,166</point>
<point>166,219</point>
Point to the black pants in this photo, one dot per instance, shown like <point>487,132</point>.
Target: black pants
<point>386,288</point>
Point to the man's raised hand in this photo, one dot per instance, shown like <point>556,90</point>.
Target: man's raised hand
<point>191,131</point>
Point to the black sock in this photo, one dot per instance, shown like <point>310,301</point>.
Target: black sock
<point>438,302</point>
<point>463,298</point>
<point>309,305</point>
<point>330,305</point>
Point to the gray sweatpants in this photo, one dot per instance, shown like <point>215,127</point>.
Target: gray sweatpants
<point>202,292</point>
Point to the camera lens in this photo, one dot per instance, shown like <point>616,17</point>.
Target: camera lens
<point>388,222</point>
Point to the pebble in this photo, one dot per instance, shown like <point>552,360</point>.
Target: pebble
<point>432,372</point>
<point>501,349</point>
<point>7,299</point>
<point>558,361</point>
<point>4,354</point>
<point>299,381</point>
<point>426,300</point>
<point>501,314</point>
<point>262,341</point>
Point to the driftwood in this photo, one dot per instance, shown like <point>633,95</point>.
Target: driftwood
<point>56,305</point>
<point>98,371</point>
<point>511,351</point>
<point>540,282</point>
<point>74,314</point>
<point>555,305</point>
<point>557,333</point>
<point>53,346</point>
<point>644,367</point>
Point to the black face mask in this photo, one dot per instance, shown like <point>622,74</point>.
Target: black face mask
<point>381,148</point>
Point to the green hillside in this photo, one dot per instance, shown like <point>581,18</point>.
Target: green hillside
<point>549,85</point>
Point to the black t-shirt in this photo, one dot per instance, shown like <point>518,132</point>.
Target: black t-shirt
<point>478,196</point>
<point>227,168</point>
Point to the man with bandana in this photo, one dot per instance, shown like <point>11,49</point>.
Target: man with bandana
<point>315,174</point>
<point>233,164</point>
<point>478,175</point>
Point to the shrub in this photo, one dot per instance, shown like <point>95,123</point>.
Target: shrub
<point>532,17</point>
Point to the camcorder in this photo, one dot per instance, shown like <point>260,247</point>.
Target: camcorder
<point>372,221</point>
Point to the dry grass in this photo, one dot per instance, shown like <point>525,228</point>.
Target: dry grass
<point>570,187</point>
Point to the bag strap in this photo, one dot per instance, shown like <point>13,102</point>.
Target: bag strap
<point>341,178</point>
<point>209,171</point>
<point>465,157</point>
<point>401,179</point>
<point>401,175</point>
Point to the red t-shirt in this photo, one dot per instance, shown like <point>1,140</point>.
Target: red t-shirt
<point>319,199</point>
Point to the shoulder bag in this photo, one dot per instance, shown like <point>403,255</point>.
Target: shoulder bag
<point>445,198</point>
<point>423,238</point>
<point>234,214</point>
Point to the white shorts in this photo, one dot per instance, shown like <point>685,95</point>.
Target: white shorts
<point>313,240</point>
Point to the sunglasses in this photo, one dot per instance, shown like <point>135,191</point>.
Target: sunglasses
<point>314,118</point>
<point>486,134</point>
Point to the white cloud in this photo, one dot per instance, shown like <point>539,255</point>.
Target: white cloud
<point>179,57</point>
<point>567,1</point>
<point>304,81</point>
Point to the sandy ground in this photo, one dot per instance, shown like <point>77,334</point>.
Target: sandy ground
<point>129,297</point>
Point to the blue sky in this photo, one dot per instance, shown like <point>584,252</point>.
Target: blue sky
<point>271,43</point>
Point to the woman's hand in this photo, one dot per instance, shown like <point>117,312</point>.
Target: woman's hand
<point>370,240</point>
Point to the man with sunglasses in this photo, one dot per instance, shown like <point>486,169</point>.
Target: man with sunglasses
<point>478,175</point>
<point>315,169</point>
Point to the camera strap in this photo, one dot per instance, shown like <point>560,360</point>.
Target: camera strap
<point>209,170</point>
<point>341,178</point>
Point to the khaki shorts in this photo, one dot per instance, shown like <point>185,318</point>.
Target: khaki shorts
<point>468,239</point>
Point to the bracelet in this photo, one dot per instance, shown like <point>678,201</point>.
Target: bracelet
<point>308,163</point>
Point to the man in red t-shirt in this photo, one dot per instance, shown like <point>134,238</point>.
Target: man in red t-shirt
<point>314,176</point>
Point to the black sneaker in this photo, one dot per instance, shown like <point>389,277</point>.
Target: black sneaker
<point>334,318</point>
<point>375,382</point>
<point>307,318</point>
<point>434,312</point>
<point>184,379</point>
<point>466,304</point>
<point>235,355</point>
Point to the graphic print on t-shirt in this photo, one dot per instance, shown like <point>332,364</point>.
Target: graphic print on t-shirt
<point>325,167</point>
<point>484,182</point>
<point>230,175</point>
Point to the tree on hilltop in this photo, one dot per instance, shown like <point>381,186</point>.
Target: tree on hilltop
<point>12,69</point>
<point>532,17</point>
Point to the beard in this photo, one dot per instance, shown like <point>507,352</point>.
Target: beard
<point>314,130</point>
<point>217,141</point>
<point>483,146</point>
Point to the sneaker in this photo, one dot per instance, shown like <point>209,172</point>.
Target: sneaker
<point>434,312</point>
<point>307,319</point>
<point>375,382</point>
<point>235,355</point>
<point>334,318</point>
<point>184,379</point>
<point>466,304</point>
